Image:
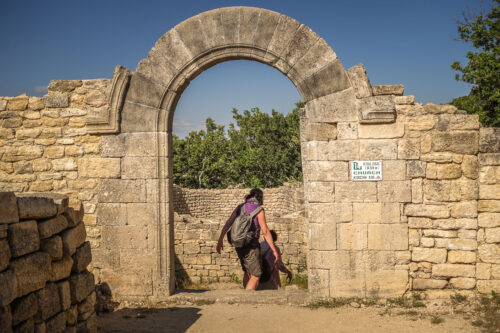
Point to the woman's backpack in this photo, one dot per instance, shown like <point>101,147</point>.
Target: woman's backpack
<point>241,233</point>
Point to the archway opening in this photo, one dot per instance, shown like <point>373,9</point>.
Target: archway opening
<point>216,163</point>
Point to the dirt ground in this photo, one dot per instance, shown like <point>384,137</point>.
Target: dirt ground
<point>221,317</point>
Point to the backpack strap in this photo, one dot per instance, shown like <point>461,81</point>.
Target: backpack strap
<point>255,211</point>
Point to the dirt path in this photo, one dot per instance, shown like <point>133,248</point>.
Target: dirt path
<point>221,317</point>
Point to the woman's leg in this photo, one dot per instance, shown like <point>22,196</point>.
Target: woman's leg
<point>253,282</point>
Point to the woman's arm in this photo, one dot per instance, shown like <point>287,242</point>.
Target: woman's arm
<point>267,234</point>
<point>225,229</point>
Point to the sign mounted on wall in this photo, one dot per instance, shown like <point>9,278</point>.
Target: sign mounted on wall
<point>366,170</point>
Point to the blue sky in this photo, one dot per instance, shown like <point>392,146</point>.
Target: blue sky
<point>398,41</point>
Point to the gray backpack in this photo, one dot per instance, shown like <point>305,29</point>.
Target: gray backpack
<point>241,234</point>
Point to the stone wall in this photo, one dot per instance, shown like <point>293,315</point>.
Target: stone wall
<point>488,235</point>
<point>44,282</point>
<point>200,215</point>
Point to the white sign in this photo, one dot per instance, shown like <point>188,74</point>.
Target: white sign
<point>366,170</point>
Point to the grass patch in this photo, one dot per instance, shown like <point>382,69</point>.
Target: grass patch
<point>328,303</point>
<point>414,301</point>
<point>436,320</point>
<point>488,313</point>
<point>204,302</point>
<point>458,298</point>
<point>300,278</point>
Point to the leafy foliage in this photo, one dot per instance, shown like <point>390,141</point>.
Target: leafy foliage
<point>483,67</point>
<point>259,150</point>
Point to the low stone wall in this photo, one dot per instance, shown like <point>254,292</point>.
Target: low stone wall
<point>200,215</point>
<point>44,282</point>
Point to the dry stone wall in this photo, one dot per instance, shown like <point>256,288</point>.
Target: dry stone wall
<point>44,282</point>
<point>200,215</point>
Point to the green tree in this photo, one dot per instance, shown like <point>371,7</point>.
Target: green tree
<point>483,67</point>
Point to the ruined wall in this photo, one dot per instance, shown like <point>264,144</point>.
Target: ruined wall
<point>488,235</point>
<point>44,281</point>
<point>200,215</point>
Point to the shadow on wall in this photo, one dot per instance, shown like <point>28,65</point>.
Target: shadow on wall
<point>167,320</point>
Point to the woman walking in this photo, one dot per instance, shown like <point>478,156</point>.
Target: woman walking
<point>249,255</point>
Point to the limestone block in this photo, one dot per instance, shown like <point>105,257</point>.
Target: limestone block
<point>24,308</point>
<point>353,236</point>
<point>81,285</point>
<point>467,209</point>
<point>489,175</point>
<point>356,192</point>
<point>319,56</point>
<point>53,247</point>
<point>424,284</point>
<point>139,167</point>
<point>61,269</point>
<point>320,191</point>
<point>457,142</point>
<point>48,301</point>
<point>437,109</point>
<point>489,220</point>
<point>322,236</point>
<point>73,217</point>
<point>82,257</point>
<point>381,131</point>
<point>455,224</point>
<point>72,315</point>
<point>31,271</point>
<point>492,235</point>
<point>97,167</point>
<point>57,323</point>
<point>52,226</point>
<point>492,206</point>
<point>138,117</point>
<point>468,234</point>
<point>112,145</point>
<point>440,233</point>
<point>486,286</point>
<point>489,192</point>
<point>394,170</point>
<point>89,325</point>
<point>320,282</point>
<point>330,79</point>
<point>145,144</point>
<point>377,109</point>
<point>464,189</point>
<point>5,254</point>
<point>264,32</point>
<point>359,80</point>
<point>456,244</point>
<point>453,270</point>
<point>394,191</point>
<point>443,171</point>
<point>378,149</point>
<point>419,222</point>
<point>347,131</point>
<point>23,238</point>
<point>8,286</point>
<point>483,271</point>
<point>470,166</point>
<point>326,171</point>
<point>415,169</point>
<point>448,122</point>
<point>422,123</point>
<point>132,282</point>
<point>413,237</point>
<point>25,326</point>
<point>378,212</point>
<point>390,283</point>
<point>86,308</point>
<point>73,238</point>
<point>388,236</point>
<point>388,89</point>
<point>429,255</point>
<point>111,214</point>
<point>427,242</point>
<point>461,257</point>
<point>117,190</point>
<point>56,100</point>
<point>333,108</point>
<point>489,140</point>
<point>404,100</point>
<point>417,190</point>
<point>31,207</point>
<point>462,283</point>
<point>495,272</point>
<point>320,132</point>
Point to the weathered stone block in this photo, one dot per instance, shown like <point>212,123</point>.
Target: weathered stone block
<point>489,192</point>
<point>422,123</point>
<point>5,254</point>
<point>322,236</point>
<point>394,191</point>
<point>381,131</point>
<point>98,167</point>
<point>52,226</point>
<point>427,242</point>
<point>453,270</point>
<point>320,282</point>
<point>31,271</point>
<point>463,189</point>
<point>388,89</point>
<point>489,220</point>
<point>72,315</point>
<point>394,170</point>
<point>89,325</point>
<point>32,207</point>
<point>379,212</point>
<point>378,149</point>
<point>492,206</point>
<point>359,80</point>
<point>333,108</point>
<point>326,171</point>
<point>424,284</point>
<point>486,286</point>
<point>8,286</point>
<point>320,191</point>
<point>415,169</point>
<point>48,301</point>
<point>489,139</point>
<point>139,167</point>
<point>57,323</point>
<point>432,211</point>
<point>440,233</point>
<point>82,284</point>
<point>461,257</point>
<point>320,132</point>
<point>86,308</point>
<point>464,209</point>
<point>386,283</point>
<point>113,146</point>
<point>53,247</point>
<point>417,190</point>
<point>388,236</point>
<point>429,255</point>
<point>23,238</point>
<point>462,283</point>
<point>329,213</point>
<point>443,171</point>
<point>492,235</point>
<point>64,294</point>
<point>73,238</point>
<point>25,326</point>
<point>82,257</point>
<point>457,244</point>
<point>61,269</point>
<point>353,236</point>
<point>24,308</point>
<point>356,192</point>
<point>470,166</point>
<point>456,142</point>
<point>118,190</point>
<point>8,208</point>
<point>347,131</point>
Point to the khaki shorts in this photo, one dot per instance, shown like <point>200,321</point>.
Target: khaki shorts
<point>250,259</point>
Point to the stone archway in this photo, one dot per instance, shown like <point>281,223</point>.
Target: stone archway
<point>336,101</point>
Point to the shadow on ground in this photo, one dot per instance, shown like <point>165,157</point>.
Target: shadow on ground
<point>173,319</point>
